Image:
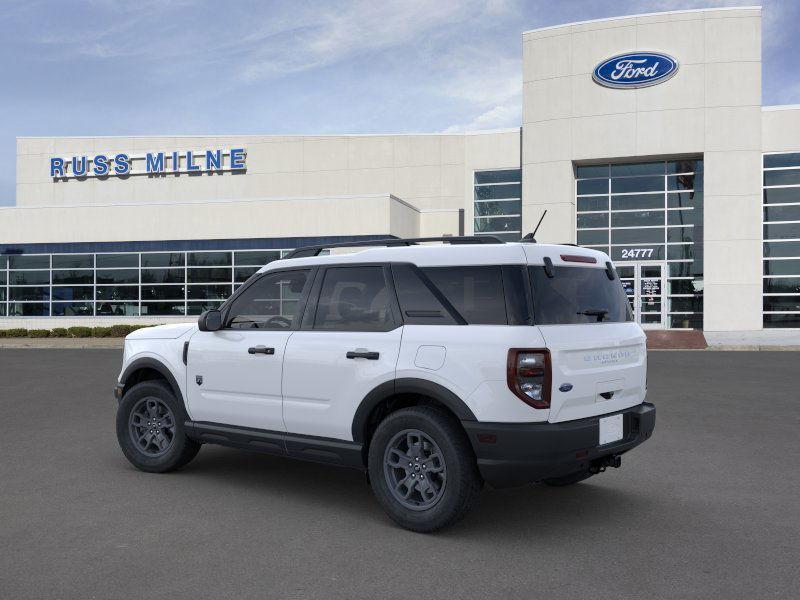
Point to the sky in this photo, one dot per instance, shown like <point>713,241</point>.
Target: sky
<point>160,67</point>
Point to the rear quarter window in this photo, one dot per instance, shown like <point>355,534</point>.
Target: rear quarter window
<point>475,292</point>
<point>576,295</point>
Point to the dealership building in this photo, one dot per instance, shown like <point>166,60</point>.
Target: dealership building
<point>642,136</point>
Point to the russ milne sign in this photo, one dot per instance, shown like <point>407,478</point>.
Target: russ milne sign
<point>635,70</point>
<point>151,163</point>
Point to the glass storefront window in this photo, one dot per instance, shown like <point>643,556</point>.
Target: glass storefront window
<point>163,275</point>
<point>499,176</point>
<point>781,247</point>
<point>497,204</point>
<point>29,277</point>
<point>636,184</point>
<point>163,292</point>
<point>111,261</point>
<point>628,169</point>
<point>117,292</point>
<point>255,258</point>
<point>782,231</point>
<point>644,212</point>
<point>28,309</point>
<point>163,259</point>
<point>209,275</point>
<point>73,277</point>
<point>73,261</point>
<point>108,284</point>
<point>72,309</point>
<point>637,202</point>
<point>209,259</point>
<point>241,274</point>
<point>162,309</point>
<point>117,309</point>
<point>40,261</point>
<point>208,292</point>
<point>490,209</point>
<point>787,195</point>
<point>196,308</point>
<point>593,186</point>
<point>593,220</point>
<point>72,293</point>
<point>592,203</point>
<point>117,276</point>
<point>29,293</point>
<point>638,218</point>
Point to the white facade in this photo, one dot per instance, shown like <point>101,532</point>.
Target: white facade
<point>297,189</point>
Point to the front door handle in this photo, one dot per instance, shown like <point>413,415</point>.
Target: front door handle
<point>363,354</point>
<point>260,350</point>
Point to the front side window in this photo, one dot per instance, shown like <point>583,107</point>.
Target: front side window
<point>271,302</point>
<point>354,299</point>
<point>577,295</point>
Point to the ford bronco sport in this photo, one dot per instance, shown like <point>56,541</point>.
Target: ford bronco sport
<point>433,368</point>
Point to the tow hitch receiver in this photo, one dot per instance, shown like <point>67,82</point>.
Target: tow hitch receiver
<point>601,464</point>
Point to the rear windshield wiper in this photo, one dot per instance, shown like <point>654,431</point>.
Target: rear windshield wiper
<point>600,313</point>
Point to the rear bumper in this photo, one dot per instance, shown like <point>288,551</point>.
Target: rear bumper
<point>527,452</point>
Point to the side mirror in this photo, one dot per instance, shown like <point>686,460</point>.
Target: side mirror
<point>210,320</point>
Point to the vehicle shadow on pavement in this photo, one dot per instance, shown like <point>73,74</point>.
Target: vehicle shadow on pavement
<point>506,512</point>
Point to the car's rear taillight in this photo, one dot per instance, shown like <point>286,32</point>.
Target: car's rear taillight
<point>529,376</point>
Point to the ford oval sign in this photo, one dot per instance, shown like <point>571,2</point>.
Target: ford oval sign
<point>635,70</point>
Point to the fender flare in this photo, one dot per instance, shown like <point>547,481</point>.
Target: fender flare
<point>408,385</point>
<point>151,363</point>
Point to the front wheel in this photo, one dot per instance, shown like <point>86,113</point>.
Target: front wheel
<point>150,428</point>
<point>422,469</point>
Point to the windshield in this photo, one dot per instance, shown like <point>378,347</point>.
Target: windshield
<point>577,295</point>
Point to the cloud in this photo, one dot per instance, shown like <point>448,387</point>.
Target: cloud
<point>335,34</point>
<point>497,117</point>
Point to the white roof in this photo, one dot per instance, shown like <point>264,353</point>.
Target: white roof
<point>446,255</point>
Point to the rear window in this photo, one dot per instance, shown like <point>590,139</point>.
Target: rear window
<point>577,295</point>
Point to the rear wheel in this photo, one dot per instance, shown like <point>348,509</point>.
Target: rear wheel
<point>422,469</point>
<point>567,479</point>
<point>150,428</point>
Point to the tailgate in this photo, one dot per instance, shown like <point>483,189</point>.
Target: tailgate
<point>605,363</point>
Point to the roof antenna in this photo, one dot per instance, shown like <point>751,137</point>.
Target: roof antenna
<point>530,237</point>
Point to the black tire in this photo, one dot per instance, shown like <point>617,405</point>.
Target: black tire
<point>461,481</point>
<point>565,480</point>
<point>177,452</point>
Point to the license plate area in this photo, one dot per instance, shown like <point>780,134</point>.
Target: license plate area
<point>611,429</point>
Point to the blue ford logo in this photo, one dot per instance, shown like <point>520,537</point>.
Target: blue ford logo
<point>635,70</point>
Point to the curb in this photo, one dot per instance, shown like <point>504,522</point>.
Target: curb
<point>754,347</point>
<point>732,348</point>
<point>62,343</point>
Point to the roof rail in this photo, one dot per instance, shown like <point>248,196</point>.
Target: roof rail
<point>307,251</point>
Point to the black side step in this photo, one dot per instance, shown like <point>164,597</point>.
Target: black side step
<point>311,448</point>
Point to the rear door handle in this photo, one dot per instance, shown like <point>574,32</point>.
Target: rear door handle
<point>363,354</point>
<point>260,350</point>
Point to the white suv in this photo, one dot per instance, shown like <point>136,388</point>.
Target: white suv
<point>434,368</point>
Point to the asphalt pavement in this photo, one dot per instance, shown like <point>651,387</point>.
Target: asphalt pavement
<point>708,508</point>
